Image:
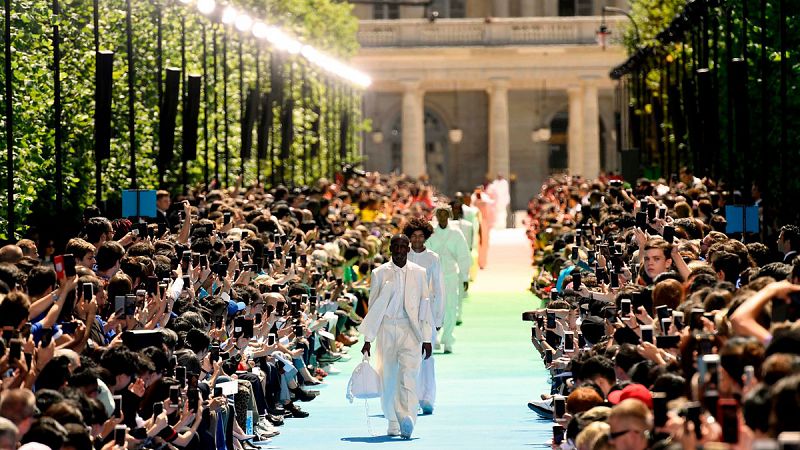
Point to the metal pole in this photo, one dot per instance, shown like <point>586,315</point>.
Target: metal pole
<point>784,65</point>
<point>258,94</point>
<point>205,105</point>
<point>98,167</point>
<point>242,104</point>
<point>131,93</point>
<point>159,81</point>
<point>57,107</point>
<point>184,175</point>
<point>9,81</point>
<point>216,107</point>
<point>225,100</point>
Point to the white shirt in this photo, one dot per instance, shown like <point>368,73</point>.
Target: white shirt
<point>433,272</point>
<point>396,308</point>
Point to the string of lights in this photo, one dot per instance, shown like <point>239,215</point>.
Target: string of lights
<point>245,23</point>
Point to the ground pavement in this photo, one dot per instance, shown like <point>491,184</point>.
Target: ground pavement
<point>483,387</point>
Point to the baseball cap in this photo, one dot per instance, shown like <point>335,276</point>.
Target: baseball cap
<point>235,307</point>
<point>637,391</point>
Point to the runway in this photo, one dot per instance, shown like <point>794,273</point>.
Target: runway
<point>483,387</point>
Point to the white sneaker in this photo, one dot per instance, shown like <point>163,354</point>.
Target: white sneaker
<point>406,427</point>
<point>394,429</point>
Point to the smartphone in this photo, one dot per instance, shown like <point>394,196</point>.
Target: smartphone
<point>195,259</point>
<point>695,319</point>
<point>88,291</point>
<point>174,395</point>
<point>581,341</point>
<point>47,337</point>
<point>614,280</point>
<point>663,311</point>
<point>665,323</point>
<point>671,341</point>
<point>14,349</point>
<point>120,434</point>
<point>651,211</point>
<point>226,218</point>
<point>247,328</point>
<point>69,327</point>
<point>559,406</point>
<point>158,408</point>
<point>625,307</point>
<point>214,352</point>
<point>119,305</point>
<point>180,375</point>
<point>569,342</point>
<point>203,261</point>
<point>548,356</point>
<point>669,233</point>
<point>693,410</point>
<point>551,319</point>
<point>728,417</point>
<point>130,305</point>
<point>237,246</point>
<point>659,408</point>
<point>576,281</point>
<point>58,263</point>
<point>647,333</point>
<point>69,265</point>
<point>709,371</point>
<point>218,392</point>
<point>279,308</point>
<point>117,406</point>
<point>575,254</point>
<point>193,397</point>
<point>259,317</point>
<point>662,213</point>
<point>298,331</point>
<point>271,338</point>
<point>677,319</point>
<point>558,434</point>
<point>641,220</point>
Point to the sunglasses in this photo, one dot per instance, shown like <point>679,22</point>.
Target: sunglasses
<point>617,434</point>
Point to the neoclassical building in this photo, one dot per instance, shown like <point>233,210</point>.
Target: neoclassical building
<point>486,87</point>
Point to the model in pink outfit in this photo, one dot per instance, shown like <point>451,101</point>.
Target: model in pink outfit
<point>485,203</point>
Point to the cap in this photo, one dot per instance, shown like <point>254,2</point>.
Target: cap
<point>593,329</point>
<point>637,391</point>
<point>235,307</point>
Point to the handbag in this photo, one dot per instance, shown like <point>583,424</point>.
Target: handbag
<point>364,382</point>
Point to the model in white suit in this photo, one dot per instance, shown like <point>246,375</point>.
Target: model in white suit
<point>419,230</point>
<point>399,322</point>
<point>451,246</point>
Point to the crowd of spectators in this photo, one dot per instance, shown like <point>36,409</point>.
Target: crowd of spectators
<point>202,328</point>
<point>660,330</point>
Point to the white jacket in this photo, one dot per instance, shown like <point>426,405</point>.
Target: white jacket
<point>416,301</point>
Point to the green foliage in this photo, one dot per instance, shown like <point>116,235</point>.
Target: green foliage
<point>736,29</point>
<point>327,24</point>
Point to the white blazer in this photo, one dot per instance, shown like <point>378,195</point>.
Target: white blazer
<point>416,301</point>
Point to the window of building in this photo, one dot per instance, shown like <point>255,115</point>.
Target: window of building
<point>385,12</point>
<point>575,7</point>
<point>450,9</point>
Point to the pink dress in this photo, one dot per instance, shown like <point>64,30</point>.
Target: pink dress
<point>486,206</point>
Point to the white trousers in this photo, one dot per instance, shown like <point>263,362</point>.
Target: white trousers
<point>452,291</point>
<point>399,354</point>
<point>426,382</point>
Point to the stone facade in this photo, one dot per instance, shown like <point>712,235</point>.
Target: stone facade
<point>496,80</point>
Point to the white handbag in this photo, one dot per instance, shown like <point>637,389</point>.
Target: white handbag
<point>364,382</point>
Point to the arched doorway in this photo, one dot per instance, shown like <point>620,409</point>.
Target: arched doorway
<point>436,149</point>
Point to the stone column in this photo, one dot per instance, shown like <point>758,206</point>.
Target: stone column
<point>413,138</point>
<point>575,131</point>
<point>500,8</point>
<point>591,129</point>
<point>550,8</point>
<point>499,152</point>
<point>527,8</point>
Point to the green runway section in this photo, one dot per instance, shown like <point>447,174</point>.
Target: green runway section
<point>482,388</point>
